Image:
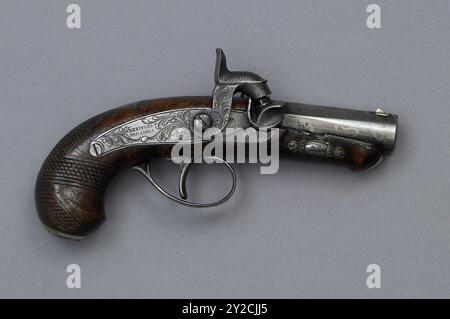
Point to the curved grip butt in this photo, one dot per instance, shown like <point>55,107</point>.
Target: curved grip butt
<point>71,184</point>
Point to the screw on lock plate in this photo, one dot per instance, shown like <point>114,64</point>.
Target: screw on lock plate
<point>202,121</point>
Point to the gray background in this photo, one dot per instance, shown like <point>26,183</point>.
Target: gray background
<point>308,231</point>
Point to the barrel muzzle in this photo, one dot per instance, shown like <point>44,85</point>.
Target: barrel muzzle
<point>378,127</point>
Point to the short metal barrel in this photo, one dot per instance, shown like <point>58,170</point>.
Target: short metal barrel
<point>377,127</point>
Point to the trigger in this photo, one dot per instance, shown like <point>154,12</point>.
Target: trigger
<point>183,177</point>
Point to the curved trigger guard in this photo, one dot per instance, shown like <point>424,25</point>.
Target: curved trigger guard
<point>185,167</point>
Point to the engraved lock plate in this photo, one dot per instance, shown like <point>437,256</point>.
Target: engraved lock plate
<point>174,126</point>
<point>167,127</point>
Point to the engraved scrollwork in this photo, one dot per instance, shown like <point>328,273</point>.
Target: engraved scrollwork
<point>222,99</point>
<point>166,125</point>
<point>315,146</point>
<point>162,127</point>
<point>115,138</point>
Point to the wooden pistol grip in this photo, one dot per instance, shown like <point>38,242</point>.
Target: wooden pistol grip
<point>71,184</point>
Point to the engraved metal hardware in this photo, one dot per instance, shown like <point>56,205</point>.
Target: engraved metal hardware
<point>72,181</point>
<point>181,125</point>
<point>201,122</point>
<point>163,127</point>
<point>230,82</point>
<point>166,127</point>
<point>169,127</point>
<point>359,125</point>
